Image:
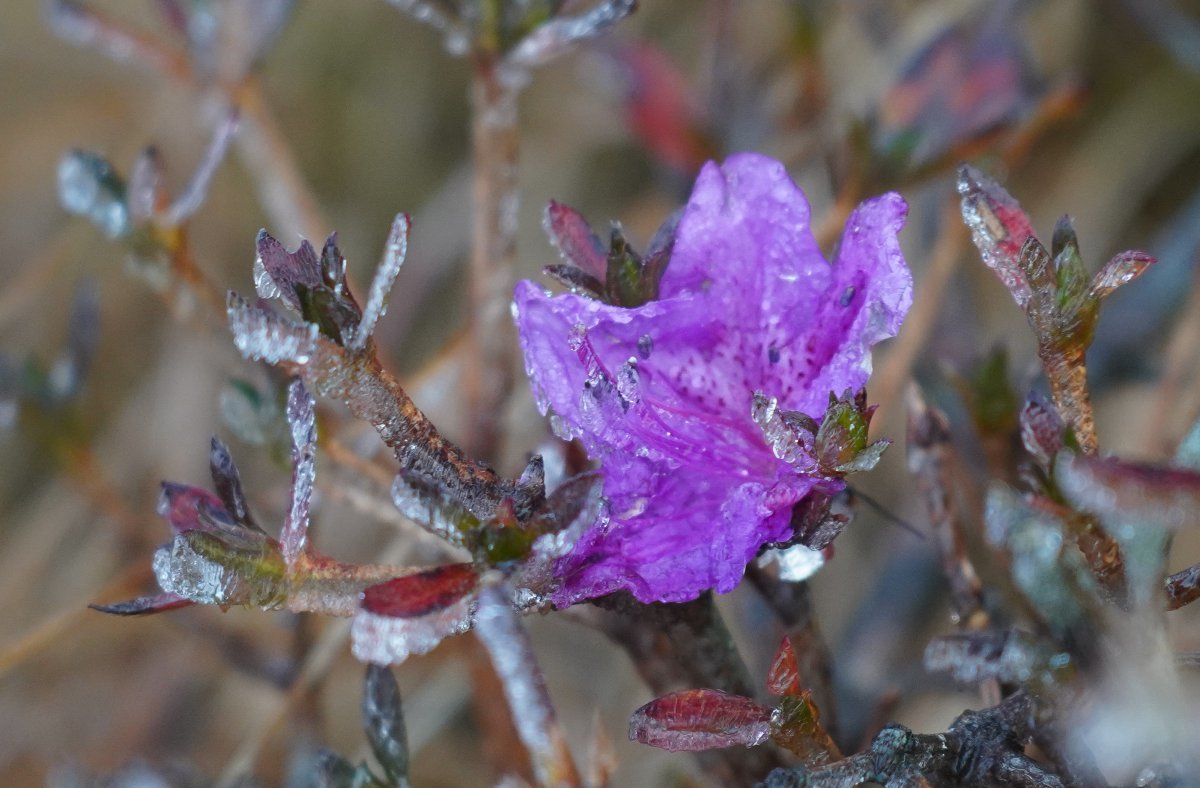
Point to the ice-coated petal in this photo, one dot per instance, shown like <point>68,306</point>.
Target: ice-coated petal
<point>677,534</point>
<point>663,395</point>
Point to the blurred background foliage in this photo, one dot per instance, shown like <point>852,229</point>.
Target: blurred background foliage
<point>1091,108</point>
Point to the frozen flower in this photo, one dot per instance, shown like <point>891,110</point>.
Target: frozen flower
<point>682,398</point>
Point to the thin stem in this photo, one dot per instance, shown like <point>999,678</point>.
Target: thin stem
<point>931,460</point>
<point>282,188</point>
<point>1067,373</point>
<point>792,605</point>
<point>494,142</point>
<point>508,645</point>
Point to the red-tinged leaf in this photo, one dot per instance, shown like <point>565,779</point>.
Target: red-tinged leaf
<point>1137,492</point>
<point>964,84</point>
<point>421,593</point>
<point>1121,270</point>
<point>661,110</point>
<point>189,508</point>
<point>700,719</point>
<point>574,239</point>
<point>412,614</point>
<point>144,605</point>
<point>998,226</point>
<point>1042,429</point>
<point>784,676</point>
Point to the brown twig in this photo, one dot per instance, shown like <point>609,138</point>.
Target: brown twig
<point>1067,375</point>
<point>931,462</point>
<point>494,143</point>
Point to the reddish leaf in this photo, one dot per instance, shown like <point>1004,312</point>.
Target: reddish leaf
<point>144,605</point>
<point>784,676</point>
<point>700,719</point>
<point>1042,429</point>
<point>661,110</point>
<point>421,593</point>
<point>998,226</point>
<point>189,508</point>
<point>1120,491</point>
<point>574,239</point>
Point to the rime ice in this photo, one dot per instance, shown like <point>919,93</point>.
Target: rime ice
<point>747,304</point>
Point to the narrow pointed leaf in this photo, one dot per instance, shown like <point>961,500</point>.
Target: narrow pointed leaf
<point>784,675</point>
<point>575,280</point>
<point>228,484</point>
<point>394,253</point>
<point>144,605</point>
<point>579,246</point>
<point>431,506</point>
<point>301,415</point>
<point>700,719</point>
<point>998,227</point>
<point>1117,489</point>
<point>1120,270</point>
<point>383,720</point>
<point>507,643</point>
<point>89,186</point>
<point>277,271</point>
<point>1043,431</point>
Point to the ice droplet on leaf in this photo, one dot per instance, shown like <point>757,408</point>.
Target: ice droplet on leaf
<point>183,570</point>
<point>700,719</point>
<point>796,563</point>
<point>301,415</point>
<point>265,336</point>
<point>394,252</point>
<point>88,186</point>
<point>412,614</point>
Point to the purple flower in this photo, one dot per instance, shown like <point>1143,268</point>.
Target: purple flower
<point>662,394</point>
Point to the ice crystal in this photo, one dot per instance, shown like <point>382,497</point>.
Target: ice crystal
<point>662,393</point>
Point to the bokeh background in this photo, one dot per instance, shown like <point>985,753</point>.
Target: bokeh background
<point>1087,108</point>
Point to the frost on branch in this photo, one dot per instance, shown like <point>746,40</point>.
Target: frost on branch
<point>704,719</point>
<point>412,614</point>
<point>220,555</point>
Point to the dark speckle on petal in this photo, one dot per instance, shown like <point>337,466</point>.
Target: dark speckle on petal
<point>645,345</point>
<point>847,296</point>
